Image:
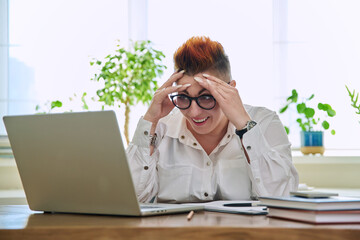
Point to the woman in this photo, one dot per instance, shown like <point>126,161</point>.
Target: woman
<point>199,142</point>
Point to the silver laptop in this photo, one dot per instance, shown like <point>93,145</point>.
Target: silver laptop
<point>76,163</point>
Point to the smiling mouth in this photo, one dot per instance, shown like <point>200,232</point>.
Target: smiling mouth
<point>200,120</point>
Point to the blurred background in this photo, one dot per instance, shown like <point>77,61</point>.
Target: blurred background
<point>275,46</point>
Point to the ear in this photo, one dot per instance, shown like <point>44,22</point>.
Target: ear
<point>233,83</point>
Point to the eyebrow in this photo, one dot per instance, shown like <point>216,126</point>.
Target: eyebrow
<point>201,91</point>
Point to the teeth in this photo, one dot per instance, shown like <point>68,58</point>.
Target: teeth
<point>200,120</point>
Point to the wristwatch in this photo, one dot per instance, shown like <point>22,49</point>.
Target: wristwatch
<point>249,125</point>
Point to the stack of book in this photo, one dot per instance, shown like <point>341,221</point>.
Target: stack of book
<point>318,210</point>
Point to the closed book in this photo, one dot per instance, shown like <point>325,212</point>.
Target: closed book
<point>319,217</point>
<point>331,203</point>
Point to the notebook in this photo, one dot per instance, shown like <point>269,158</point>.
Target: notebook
<point>320,204</point>
<point>311,216</point>
<point>76,163</point>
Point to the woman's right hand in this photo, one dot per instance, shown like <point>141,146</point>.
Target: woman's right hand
<point>161,105</point>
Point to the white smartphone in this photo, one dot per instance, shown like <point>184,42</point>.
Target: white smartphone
<point>313,194</point>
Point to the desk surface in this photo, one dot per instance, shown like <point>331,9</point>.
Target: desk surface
<point>19,222</point>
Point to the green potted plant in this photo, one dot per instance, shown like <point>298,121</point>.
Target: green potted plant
<point>48,106</point>
<point>354,100</point>
<point>129,77</point>
<point>310,123</point>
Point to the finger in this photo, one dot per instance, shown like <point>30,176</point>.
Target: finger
<point>216,89</point>
<point>224,88</point>
<point>158,90</point>
<point>173,78</point>
<point>183,87</point>
<point>168,90</point>
<point>219,83</point>
<point>215,79</point>
<point>203,83</point>
<point>209,86</point>
<point>206,83</point>
<point>219,94</point>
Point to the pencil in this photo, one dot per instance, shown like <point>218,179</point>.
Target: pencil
<point>190,215</point>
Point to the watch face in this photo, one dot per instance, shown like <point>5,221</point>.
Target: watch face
<point>251,124</point>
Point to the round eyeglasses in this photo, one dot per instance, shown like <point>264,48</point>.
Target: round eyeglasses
<point>183,102</point>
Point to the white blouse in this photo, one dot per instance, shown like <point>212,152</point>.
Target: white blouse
<point>179,170</point>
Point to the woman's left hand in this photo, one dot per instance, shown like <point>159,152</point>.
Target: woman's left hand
<point>227,96</point>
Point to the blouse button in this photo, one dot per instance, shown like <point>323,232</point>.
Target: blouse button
<point>248,147</point>
<point>182,137</point>
<point>195,144</point>
<point>146,133</point>
<point>146,167</point>
<point>206,194</point>
<point>208,163</point>
<point>228,136</point>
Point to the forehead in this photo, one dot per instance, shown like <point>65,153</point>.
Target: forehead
<point>190,78</point>
<point>186,79</point>
<point>195,89</point>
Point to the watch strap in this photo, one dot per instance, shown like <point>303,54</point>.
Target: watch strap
<point>249,125</point>
<point>241,132</point>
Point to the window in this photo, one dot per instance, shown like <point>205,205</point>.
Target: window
<point>324,55</point>
<point>274,47</point>
<point>51,44</point>
<point>242,27</point>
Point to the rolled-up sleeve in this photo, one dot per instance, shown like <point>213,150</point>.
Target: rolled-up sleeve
<point>142,165</point>
<point>270,169</point>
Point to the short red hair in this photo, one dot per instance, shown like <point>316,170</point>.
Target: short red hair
<point>199,54</point>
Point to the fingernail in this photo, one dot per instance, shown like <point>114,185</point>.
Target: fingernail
<point>198,79</point>
<point>209,82</point>
<point>182,71</point>
<point>179,86</point>
<point>206,75</point>
<point>187,85</point>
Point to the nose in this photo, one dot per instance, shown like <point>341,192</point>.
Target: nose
<point>194,109</point>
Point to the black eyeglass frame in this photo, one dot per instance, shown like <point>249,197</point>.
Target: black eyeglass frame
<point>191,99</point>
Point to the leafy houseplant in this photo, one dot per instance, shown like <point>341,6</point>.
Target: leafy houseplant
<point>129,77</point>
<point>53,104</point>
<point>308,122</point>
<point>354,100</point>
<point>48,106</point>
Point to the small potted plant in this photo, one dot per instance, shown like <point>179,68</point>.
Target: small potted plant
<point>129,76</point>
<point>312,134</point>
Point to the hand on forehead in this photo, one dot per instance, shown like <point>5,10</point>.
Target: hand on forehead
<point>190,78</point>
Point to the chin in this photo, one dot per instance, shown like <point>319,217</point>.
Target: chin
<point>201,132</point>
<point>201,129</point>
